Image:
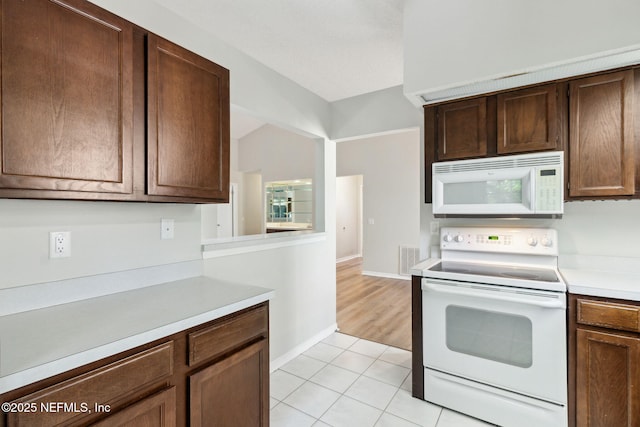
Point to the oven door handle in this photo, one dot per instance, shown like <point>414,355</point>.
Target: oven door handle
<point>530,297</point>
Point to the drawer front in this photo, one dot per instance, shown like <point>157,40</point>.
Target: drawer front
<point>73,399</point>
<point>611,315</point>
<point>231,333</point>
<point>158,410</point>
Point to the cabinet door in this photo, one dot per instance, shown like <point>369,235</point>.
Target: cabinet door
<point>158,410</point>
<point>607,380</point>
<point>601,140</point>
<point>528,120</point>
<point>462,129</point>
<point>66,96</point>
<point>233,392</point>
<point>188,124</point>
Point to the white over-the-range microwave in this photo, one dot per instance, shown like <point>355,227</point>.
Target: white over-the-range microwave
<point>525,185</point>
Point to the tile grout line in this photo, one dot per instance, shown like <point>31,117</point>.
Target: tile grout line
<point>360,375</point>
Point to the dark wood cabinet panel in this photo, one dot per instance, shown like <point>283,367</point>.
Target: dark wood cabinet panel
<point>607,379</point>
<point>604,362</point>
<point>601,140</point>
<point>417,339</point>
<point>188,123</point>
<point>462,129</point>
<point>623,317</point>
<point>158,410</point>
<point>66,97</point>
<point>228,393</point>
<point>220,338</point>
<point>105,386</point>
<point>93,107</point>
<point>528,120</point>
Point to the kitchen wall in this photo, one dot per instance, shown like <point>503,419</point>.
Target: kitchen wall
<point>390,166</point>
<point>606,228</point>
<point>105,237</point>
<point>304,305</point>
<point>278,154</point>
<point>373,113</point>
<point>449,43</point>
<point>589,228</point>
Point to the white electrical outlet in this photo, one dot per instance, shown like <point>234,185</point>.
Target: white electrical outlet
<point>59,244</point>
<point>166,229</point>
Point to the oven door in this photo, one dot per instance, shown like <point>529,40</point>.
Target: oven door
<point>510,338</point>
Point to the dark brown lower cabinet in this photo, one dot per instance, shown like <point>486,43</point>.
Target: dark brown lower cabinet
<point>607,380</point>
<point>215,374</point>
<point>228,393</point>
<point>604,362</point>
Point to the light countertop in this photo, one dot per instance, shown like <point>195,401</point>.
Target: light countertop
<point>603,276</point>
<point>602,283</point>
<point>37,344</point>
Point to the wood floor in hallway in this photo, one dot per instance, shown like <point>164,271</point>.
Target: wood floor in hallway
<point>374,308</point>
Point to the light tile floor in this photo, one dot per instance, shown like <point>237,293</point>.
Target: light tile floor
<point>351,382</point>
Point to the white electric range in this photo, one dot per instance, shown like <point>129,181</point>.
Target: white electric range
<point>494,326</point>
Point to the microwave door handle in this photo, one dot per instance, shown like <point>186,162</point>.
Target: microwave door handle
<point>465,290</point>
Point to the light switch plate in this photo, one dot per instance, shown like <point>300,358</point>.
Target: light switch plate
<point>435,227</point>
<point>166,229</point>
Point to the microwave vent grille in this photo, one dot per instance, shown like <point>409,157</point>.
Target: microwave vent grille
<point>497,163</point>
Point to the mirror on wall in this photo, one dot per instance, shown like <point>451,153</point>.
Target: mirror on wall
<point>288,205</point>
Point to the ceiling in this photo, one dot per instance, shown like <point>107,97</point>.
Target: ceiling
<point>334,48</point>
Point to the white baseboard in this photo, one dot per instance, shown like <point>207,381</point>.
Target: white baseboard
<point>301,348</point>
<point>347,258</point>
<point>386,275</point>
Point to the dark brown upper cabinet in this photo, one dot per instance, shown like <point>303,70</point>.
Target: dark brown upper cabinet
<point>601,139</point>
<point>528,120</point>
<point>96,108</point>
<point>462,129</point>
<point>66,98</point>
<point>188,123</point>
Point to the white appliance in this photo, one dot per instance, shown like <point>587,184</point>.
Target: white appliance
<point>494,326</point>
<point>518,185</point>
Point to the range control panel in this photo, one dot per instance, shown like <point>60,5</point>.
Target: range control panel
<point>543,241</point>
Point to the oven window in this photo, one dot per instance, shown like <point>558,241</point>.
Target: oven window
<point>501,337</point>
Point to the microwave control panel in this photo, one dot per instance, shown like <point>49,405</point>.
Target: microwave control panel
<point>549,189</point>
